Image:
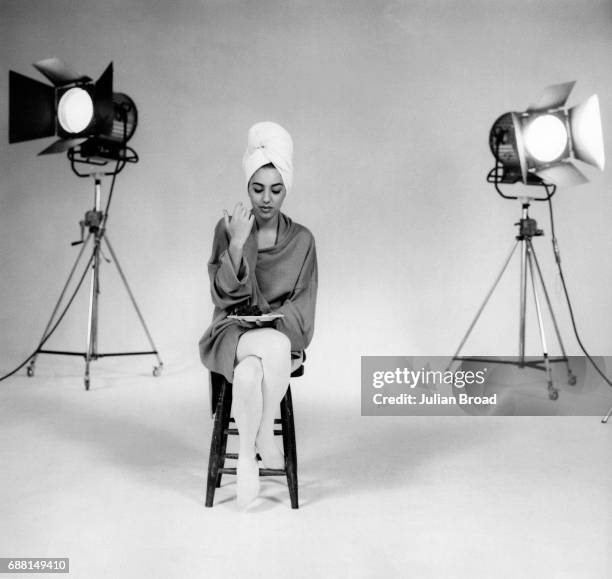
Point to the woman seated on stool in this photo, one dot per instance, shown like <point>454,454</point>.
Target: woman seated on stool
<point>262,258</point>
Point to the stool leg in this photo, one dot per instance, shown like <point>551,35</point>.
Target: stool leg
<point>216,444</point>
<point>224,428</point>
<point>289,448</point>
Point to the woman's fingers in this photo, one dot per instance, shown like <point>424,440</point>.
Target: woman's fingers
<point>239,223</point>
<point>240,211</point>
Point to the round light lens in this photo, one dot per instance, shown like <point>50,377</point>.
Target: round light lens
<point>75,110</point>
<point>546,138</point>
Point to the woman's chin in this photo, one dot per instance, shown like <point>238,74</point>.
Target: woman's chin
<point>266,215</point>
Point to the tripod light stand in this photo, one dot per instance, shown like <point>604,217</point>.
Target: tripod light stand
<point>93,124</point>
<point>535,147</point>
<point>530,272</point>
<point>95,223</point>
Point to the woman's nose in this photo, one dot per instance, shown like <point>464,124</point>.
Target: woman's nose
<point>266,196</point>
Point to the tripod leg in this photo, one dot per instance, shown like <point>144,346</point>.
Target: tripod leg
<point>92,320</point>
<point>605,418</point>
<point>157,369</point>
<point>523,302</point>
<point>484,303</point>
<point>553,393</point>
<point>32,363</point>
<point>571,378</point>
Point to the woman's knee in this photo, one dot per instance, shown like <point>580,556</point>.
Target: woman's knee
<point>248,375</point>
<point>275,344</point>
<point>264,343</point>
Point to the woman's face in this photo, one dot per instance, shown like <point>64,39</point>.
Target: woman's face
<point>267,193</point>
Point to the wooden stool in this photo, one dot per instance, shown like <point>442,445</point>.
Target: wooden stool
<point>221,402</point>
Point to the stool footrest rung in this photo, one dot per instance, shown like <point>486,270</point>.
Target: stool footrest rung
<point>262,471</point>
<point>234,431</point>
<point>234,455</point>
<point>276,420</point>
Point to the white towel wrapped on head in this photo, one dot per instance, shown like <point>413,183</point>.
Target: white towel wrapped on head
<point>268,142</point>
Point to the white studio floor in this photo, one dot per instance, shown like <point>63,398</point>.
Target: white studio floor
<point>114,479</point>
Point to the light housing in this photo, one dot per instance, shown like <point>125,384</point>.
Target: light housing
<point>80,112</point>
<point>535,146</point>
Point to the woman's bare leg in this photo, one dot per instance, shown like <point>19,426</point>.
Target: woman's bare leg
<point>274,350</point>
<point>247,410</point>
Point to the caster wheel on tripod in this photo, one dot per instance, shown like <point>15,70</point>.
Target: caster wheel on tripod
<point>156,371</point>
<point>86,380</point>
<point>572,380</point>
<point>553,394</point>
<point>30,371</point>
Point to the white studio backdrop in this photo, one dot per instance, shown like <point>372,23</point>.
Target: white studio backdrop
<point>390,106</point>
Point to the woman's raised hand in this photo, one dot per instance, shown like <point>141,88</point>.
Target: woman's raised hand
<point>239,224</point>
